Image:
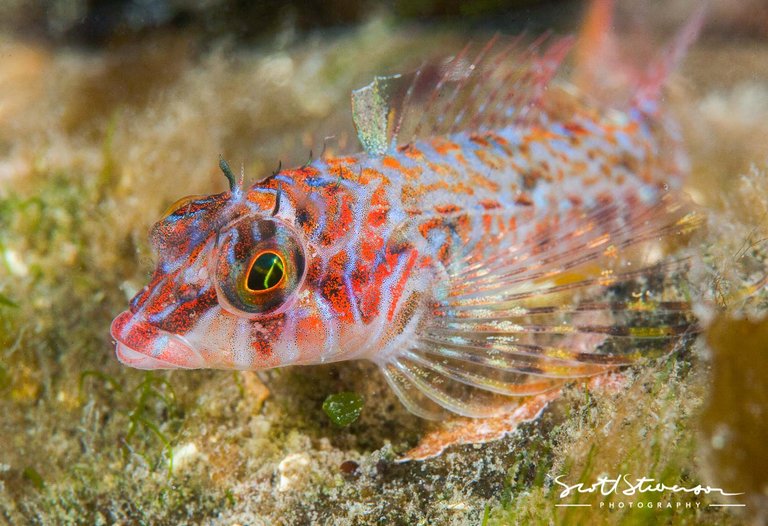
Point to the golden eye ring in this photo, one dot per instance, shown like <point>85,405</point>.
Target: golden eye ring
<point>255,256</point>
<point>266,272</point>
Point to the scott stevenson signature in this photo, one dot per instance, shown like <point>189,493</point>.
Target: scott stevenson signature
<point>607,486</point>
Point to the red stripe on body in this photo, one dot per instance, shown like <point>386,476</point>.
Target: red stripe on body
<point>397,291</point>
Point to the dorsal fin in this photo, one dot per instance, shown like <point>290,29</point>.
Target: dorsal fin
<point>496,86</point>
<point>614,75</point>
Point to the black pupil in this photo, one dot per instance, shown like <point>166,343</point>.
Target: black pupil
<point>266,272</point>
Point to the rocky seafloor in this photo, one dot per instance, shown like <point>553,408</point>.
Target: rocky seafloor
<point>94,144</point>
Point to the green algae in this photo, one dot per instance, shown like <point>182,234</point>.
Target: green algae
<point>343,408</point>
<point>35,478</point>
<point>144,416</point>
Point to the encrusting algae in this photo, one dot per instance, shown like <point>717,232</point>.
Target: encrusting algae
<point>93,442</point>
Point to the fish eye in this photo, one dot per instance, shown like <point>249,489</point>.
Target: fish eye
<point>267,272</point>
<point>260,266</point>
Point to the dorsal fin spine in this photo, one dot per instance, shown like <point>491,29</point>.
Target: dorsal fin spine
<point>668,60</point>
<point>601,68</point>
<point>493,89</point>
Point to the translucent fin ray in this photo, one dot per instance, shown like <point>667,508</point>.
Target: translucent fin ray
<point>411,396</point>
<point>494,379</point>
<point>499,86</point>
<point>578,296</point>
<point>524,359</point>
<point>617,77</point>
<point>606,227</point>
<point>458,397</point>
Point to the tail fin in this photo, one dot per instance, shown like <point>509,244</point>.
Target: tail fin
<point>602,71</point>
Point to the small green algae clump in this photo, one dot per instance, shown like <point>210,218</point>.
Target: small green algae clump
<point>343,408</point>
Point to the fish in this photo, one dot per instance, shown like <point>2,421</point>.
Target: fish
<point>504,230</point>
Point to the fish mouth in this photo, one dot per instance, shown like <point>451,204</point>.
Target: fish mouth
<point>141,345</point>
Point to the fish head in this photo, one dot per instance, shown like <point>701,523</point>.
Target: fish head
<point>230,291</point>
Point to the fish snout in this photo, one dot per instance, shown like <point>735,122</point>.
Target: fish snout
<point>141,345</point>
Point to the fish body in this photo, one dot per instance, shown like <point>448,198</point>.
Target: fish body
<point>474,264</point>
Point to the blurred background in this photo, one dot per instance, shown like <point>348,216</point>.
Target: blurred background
<point>96,23</point>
